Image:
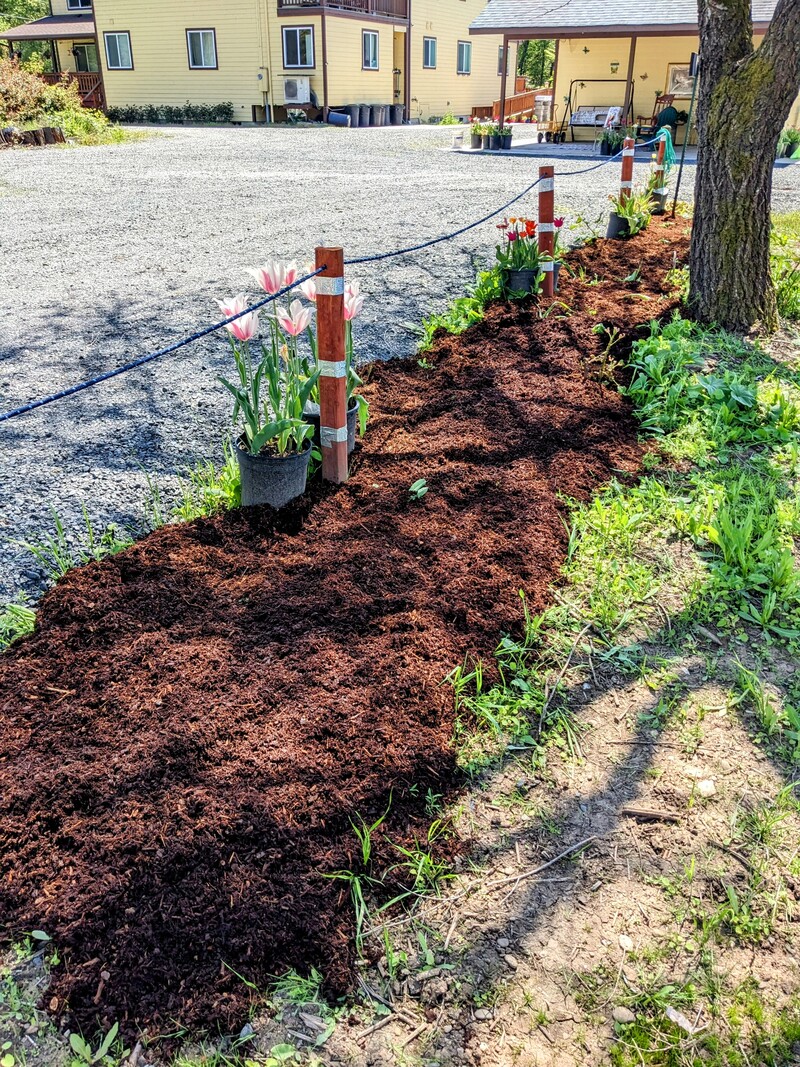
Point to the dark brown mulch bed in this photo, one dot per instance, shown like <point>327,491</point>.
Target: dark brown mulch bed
<point>193,725</point>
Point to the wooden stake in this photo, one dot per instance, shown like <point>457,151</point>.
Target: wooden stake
<point>626,185</point>
<point>546,230</point>
<point>331,360</point>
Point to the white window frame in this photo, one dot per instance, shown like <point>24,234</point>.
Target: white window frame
<point>298,30</point>
<point>79,5</point>
<point>426,41</point>
<point>374,50</point>
<point>464,49</point>
<point>118,33</point>
<point>202,33</point>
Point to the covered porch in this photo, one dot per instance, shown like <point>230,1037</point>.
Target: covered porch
<point>71,42</point>
<point>634,59</point>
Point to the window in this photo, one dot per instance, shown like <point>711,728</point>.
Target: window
<point>202,45</point>
<point>118,51</point>
<point>429,53</point>
<point>79,5</point>
<point>369,50</point>
<point>85,58</point>
<point>464,57</point>
<point>298,46</point>
<point>500,57</point>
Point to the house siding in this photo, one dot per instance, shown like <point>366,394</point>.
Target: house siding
<point>161,73</point>
<point>250,43</point>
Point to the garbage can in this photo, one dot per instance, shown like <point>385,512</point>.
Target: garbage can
<point>376,115</point>
<point>397,114</point>
<point>364,115</point>
<point>354,111</point>
<point>336,118</point>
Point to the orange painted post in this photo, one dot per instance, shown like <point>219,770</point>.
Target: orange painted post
<point>626,185</point>
<point>331,361</point>
<point>546,230</point>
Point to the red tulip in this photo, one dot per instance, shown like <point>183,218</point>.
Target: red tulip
<point>558,223</point>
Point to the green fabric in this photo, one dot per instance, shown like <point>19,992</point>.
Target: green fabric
<point>669,149</point>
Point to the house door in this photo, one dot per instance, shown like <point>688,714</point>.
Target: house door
<point>399,68</point>
<point>85,58</point>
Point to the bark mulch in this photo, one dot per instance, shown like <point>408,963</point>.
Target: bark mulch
<point>195,722</point>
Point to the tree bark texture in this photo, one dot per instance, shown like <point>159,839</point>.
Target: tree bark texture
<point>744,98</point>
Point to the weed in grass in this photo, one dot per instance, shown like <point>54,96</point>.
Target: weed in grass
<point>210,489</point>
<point>56,553</point>
<point>298,989</point>
<point>105,1053</point>
<point>16,621</point>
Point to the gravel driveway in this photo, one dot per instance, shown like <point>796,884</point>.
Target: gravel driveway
<point>108,253</point>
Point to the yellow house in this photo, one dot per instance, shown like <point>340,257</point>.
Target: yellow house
<point>266,55</point>
<point>69,31</point>
<point>611,54</point>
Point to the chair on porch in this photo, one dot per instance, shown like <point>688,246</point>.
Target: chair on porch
<point>649,127</point>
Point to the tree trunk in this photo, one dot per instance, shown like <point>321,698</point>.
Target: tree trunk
<point>743,102</point>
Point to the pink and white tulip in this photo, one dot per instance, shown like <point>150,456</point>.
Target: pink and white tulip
<point>271,276</point>
<point>291,272</point>
<point>244,328</point>
<point>295,320</point>
<point>353,304</point>
<point>309,289</point>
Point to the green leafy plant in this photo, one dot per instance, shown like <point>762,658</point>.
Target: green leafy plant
<point>57,554</point>
<point>16,621</point>
<point>635,208</point>
<point>418,489</point>
<point>85,1056</point>
<point>210,489</point>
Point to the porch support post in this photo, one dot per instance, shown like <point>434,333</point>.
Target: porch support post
<point>628,106</point>
<point>324,29</point>
<point>503,82</point>
<point>407,72</point>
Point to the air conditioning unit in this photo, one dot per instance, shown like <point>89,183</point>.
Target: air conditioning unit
<point>297,90</point>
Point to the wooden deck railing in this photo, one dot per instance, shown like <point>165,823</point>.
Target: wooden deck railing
<point>90,86</point>
<point>388,8</point>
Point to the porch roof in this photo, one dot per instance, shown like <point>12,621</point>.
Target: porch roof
<point>52,28</point>
<point>532,19</point>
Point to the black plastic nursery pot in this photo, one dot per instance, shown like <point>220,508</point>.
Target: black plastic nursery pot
<point>605,148</point>
<point>486,141</point>
<point>522,281</point>
<point>476,140</point>
<point>273,480</point>
<point>659,202</point>
<point>617,226</point>
<point>495,142</point>
<point>506,139</point>
<point>311,416</point>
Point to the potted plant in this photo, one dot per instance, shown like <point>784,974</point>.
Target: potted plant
<point>476,135</point>
<point>506,135</point>
<point>495,140</point>
<point>630,214</point>
<point>611,142</point>
<point>518,256</point>
<point>274,447</point>
<point>357,409</point>
<point>792,141</point>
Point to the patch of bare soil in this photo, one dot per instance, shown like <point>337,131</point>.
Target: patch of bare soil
<point>193,726</point>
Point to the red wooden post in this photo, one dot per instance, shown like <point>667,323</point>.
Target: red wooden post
<point>628,150</point>
<point>659,188</point>
<point>546,230</point>
<point>331,361</point>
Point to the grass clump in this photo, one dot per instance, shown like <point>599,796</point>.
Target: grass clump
<point>785,263</point>
<point>465,311</point>
<point>16,621</point>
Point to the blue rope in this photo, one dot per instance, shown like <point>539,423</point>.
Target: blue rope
<point>25,408</point>
<point>486,218</point>
<point>34,404</point>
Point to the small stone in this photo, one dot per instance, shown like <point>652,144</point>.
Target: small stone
<point>706,788</point>
<point>503,942</point>
<point>512,961</point>
<point>482,1013</point>
<point>623,1015</point>
<point>448,1029</point>
<point>626,943</point>
<point>246,1031</point>
<point>483,1046</point>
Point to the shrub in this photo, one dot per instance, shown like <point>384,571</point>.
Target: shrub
<point>157,113</point>
<point>24,97</point>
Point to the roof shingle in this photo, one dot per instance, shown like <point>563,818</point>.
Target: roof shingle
<point>561,17</point>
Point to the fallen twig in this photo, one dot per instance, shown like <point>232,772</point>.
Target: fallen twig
<point>544,866</point>
<point>656,816</point>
